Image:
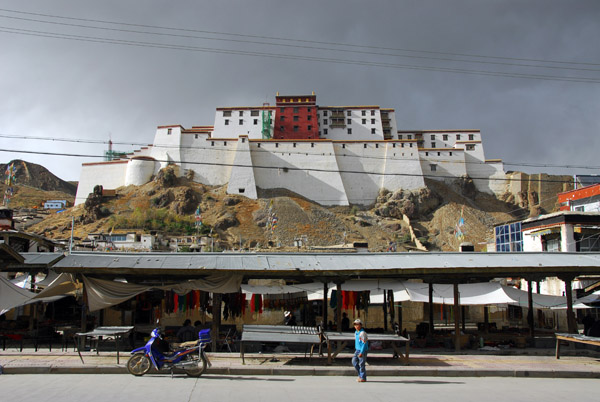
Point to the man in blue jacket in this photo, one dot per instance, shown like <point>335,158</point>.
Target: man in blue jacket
<point>361,346</point>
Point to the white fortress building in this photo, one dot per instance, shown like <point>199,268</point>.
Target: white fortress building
<point>333,155</point>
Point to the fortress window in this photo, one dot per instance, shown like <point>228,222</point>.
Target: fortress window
<point>308,109</point>
<point>225,143</point>
<point>399,136</point>
<point>410,145</point>
<point>445,137</point>
<point>241,112</point>
<point>226,113</point>
<point>309,117</point>
<point>324,112</point>
<point>282,118</point>
<point>282,109</point>
<point>196,136</point>
<point>372,121</point>
<point>281,128</point>
<point>439,154</point>
<point>325,121</point>
<point>254,113</point>
<point>349,121</point>
<point>402,145</point>
<point>295,110</point>
<point>349,131</point>
<point>169,131</point>
<point>433,145</point>
<point>312,144</point>
<point>296,118</point>
<point>409,136</point>
<point>364,121</point>
<point>241,190</point>
<point>450,153</point>
<point>372,113</point>
<point>226,122</point>
<point>309,128</point>
<point>349,113</point>
<point>364,145</point>
<point>258,145</point>
<point>294,145</point>
<point>325,131</point>
<point>363,112</point>
<point>372,131</point>
<point>432,137</point>
<point>376,145</point>
<point>471,137</point>
<point>296,129</point>
<point>241,121</point>
<point>426,153</point>
<point>457,137</point>
<point>343,145</point>
<point>276,145</point>
<point>470,147</point>
<point>433,167</point>
<point>255,122</point>
<point>393,145</point>
<point>212,143</point>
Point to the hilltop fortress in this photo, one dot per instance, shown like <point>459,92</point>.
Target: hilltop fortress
<point>333,155</point>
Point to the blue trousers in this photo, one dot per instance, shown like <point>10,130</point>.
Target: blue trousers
<point>359,364</point>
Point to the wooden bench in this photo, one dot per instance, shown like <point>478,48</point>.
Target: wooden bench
<point>280,333</point>
<point>590,340</point>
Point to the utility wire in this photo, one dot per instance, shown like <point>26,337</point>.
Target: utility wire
<point>292,168</point>
<point>328,49</point>
<point>257,150</point>
<point>293,40</point>
<point>83,38</point>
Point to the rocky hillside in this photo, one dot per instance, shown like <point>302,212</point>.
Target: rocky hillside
<point>168,204</point>
<point>35,184</point>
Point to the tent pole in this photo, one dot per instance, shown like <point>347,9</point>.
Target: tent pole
<point>216,320</point>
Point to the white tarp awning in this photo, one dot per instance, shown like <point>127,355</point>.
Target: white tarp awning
<point>12,296</point>
<point>591,298</point>
<point>470,294</point>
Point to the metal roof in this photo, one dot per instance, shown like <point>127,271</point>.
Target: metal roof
<point>273,265</point>
<point>33,262</point>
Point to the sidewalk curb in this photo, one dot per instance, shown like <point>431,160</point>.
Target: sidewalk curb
<point>296,372</point>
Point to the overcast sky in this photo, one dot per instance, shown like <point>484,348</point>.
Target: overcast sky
<point>541,105</point>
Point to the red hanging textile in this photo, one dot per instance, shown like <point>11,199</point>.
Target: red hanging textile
<point>243,301</point>
<point>252,303</point>
<point>175,302</point>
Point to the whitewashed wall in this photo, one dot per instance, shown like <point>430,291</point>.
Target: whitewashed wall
<point>242,179</point>
<point>139,171</point>
<point>360,131</point>
<point>166,148</point>
<point>402,169</point>
<point>210,159</point>
<point>447,162</point>
<point>109,175</point>
<point>308,168</point>
<point>234,129</point>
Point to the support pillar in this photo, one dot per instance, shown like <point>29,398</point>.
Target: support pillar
<point>325,306</point>
<point>385,311</point>
<point>431,309</point>
<point>338,318</point>
<point>530,315</point>
<point>572,325</point>
<point>456,318</point>
<point>216,319</point>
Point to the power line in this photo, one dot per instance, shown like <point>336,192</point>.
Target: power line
<point>293,40</point>
<point>293,168</point>
<point>207,148</point>
<point>28,32</point>
<point>329,49</point>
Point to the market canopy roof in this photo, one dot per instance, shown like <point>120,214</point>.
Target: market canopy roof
<point>427,266</point>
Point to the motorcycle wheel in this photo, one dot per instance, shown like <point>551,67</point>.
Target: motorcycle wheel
<point>138,364</point>
<point>199,368</point>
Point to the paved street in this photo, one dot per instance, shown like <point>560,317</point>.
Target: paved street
<point>81,388</point>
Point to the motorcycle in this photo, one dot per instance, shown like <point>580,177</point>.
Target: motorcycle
<point>157,353</point>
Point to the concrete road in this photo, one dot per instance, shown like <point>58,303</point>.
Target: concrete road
<point>218,388</point>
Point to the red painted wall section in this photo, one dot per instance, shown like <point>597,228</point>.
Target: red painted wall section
<point>579,194</point>
<point>296,118</point>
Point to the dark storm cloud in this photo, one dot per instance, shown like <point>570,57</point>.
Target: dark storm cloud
<point>58,88</point>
